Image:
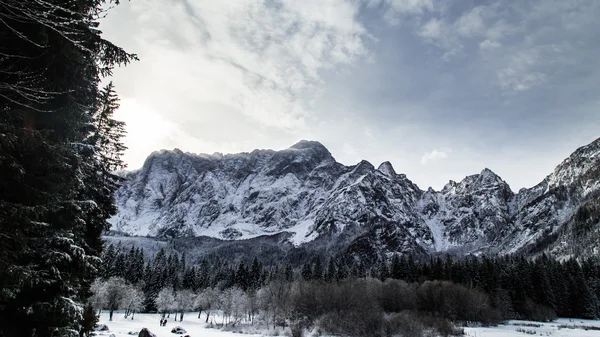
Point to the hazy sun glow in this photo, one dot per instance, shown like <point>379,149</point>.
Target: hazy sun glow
<point>147,130</point>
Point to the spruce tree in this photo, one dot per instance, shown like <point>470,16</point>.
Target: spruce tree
<point>288,273</point>
<point>306,272</point>
<point>242,277</point>
<point>331,271</point>
<point>52,58</point>
<point>108,261</point>
<point>396,271</point>
<point>317,273</point>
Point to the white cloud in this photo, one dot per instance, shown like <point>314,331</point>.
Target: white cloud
<point>489,44</point>
<point>520,74</point>
<point>512,79</point>
<point>231,71</point>
<point>396,9</point>
<point>471,23</point>
<point>451,34</point>
<point>433,156</point>
<point>411,6</point>
<point>516,66</point>
<point>432,29</point>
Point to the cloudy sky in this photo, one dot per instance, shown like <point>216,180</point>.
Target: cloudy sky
<point>439,88</point>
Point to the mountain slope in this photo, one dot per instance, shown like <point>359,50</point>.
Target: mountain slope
<point>548,206</point>
<point>359,209</point>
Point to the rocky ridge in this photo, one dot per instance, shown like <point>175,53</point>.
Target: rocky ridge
<point>305,192</point>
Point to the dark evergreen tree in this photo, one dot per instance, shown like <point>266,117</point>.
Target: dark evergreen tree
<point>382,272</point>
<point>288,273</point>
<point>318,269</point>
<point>188,281</point>
<point>306,271</point>
<point>55,193</point>
<point>396,270</point>
<point>203,277</point>
<point>182,263</point>
<point>138,266</point>
<point>88,321</point>
<point>242,277</point>
<point>580,298</point>
<point>411,269</point>
<point>331,271</point>
<point>129,274</point>
<point>255,274</point>
<point>543,293</point>
<point>108,258</point>
<point>120,267</point>
<point>342,271</point>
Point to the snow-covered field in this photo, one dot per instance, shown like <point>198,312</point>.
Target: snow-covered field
<point>196,328</point>
<point>560,328</point>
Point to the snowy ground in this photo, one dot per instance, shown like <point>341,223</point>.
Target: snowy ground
<point>560,328</point>
<point>196,328</point>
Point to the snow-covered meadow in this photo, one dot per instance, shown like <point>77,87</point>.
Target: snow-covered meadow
<point>195,327</point>
<point>562,327</point>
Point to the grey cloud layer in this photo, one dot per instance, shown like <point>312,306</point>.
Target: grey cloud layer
<point>441,89</point>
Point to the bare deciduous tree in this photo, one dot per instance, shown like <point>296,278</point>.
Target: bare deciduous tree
<point>115,291</point>
<point>133,301</point>
<point>184,301</point>
<point>275,300</point>
<point>98,298</point>
<point>165,301</point>
<point>208,300</point>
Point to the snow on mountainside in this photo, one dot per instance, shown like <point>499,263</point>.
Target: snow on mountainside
<point>304,191</point>
<point>545,208</point>
<point>231,196</point>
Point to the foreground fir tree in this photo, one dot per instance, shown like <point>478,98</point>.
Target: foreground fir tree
<point>58,146</point>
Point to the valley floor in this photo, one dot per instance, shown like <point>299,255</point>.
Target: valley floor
<point>563,327</point>
<point>195,327</point>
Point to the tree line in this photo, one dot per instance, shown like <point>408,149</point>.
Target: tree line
<point>517,288</point>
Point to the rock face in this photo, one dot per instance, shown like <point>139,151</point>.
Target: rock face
<point>146,333</point>
<point>304,191</point>
<point>471,214</point>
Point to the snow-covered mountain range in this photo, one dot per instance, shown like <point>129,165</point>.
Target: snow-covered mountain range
<point>303,191</point>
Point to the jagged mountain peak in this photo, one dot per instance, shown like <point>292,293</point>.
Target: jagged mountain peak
<point>487,172</point>
<point>363,167</point>
<point>489,177</point>
<point>177,153</point>
<point>387,169</point>
<point>310,150</point>
<point>484,180</point>
<point>308,144</point>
